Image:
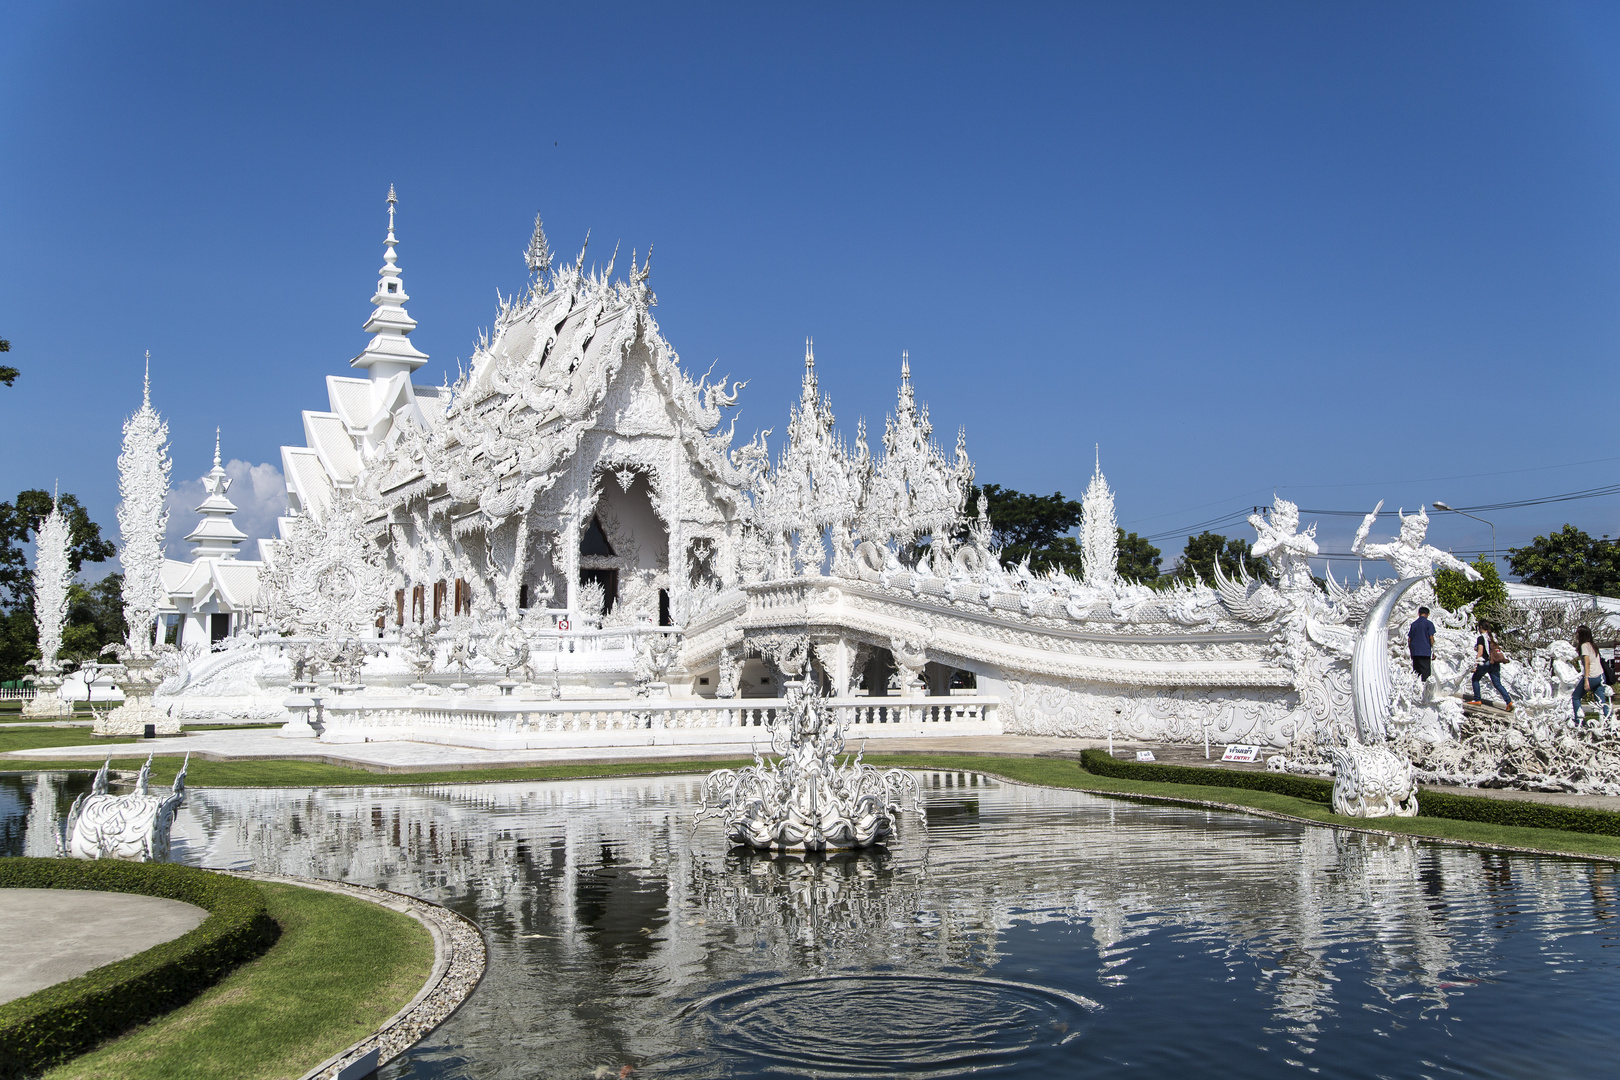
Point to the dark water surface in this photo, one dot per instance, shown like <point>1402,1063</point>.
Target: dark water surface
<point>1024,933</point>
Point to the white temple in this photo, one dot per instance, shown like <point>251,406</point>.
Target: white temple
<point>211,597</point>
<point>567,546</point>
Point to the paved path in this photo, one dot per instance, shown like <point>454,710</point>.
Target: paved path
<point>56,934</point>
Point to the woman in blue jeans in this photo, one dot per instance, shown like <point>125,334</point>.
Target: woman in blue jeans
<point>1488,661</point>
<point>1591,673</point>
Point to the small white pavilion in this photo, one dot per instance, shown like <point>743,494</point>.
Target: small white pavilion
<point>210,597</point>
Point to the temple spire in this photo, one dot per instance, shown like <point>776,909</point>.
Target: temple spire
<point>146,381</point>
<point>215,535</point>
<point>390,351</point>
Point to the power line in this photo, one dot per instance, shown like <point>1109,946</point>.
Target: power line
<point>1238,515</point>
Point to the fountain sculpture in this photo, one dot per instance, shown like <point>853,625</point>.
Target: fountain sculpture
<point>134,827</point>
<point>806,801</point>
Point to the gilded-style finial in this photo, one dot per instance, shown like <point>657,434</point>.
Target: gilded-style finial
<point>905,364</point>
<point>146,382</point>
<point>216,448</point>
<point>393,200</point>
<point>809,353</point>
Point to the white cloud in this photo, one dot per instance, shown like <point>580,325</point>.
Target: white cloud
<point>260,495</point>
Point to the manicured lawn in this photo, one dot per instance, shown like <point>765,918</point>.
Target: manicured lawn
<point>277,772</point>
<point>30,737</point>
<point>1061,772</point>
<point>1054,772</point>
<point>341,967</point>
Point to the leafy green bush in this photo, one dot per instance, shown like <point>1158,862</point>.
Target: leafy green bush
<point>1452,589</point>
<point>49,1026</point>
<point>1431,803</point>
<point>1300,787</point>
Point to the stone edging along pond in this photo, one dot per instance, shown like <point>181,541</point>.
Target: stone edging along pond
<point>459,959</point>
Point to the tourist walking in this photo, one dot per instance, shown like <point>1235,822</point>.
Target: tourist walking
<point>1591,673</point>
<point>1488,660</point>
<point>1420,644</point>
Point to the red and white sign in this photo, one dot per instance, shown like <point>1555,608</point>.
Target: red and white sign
<point>562,624</point>
<point>1241,753</point>
<point>1145,755</point>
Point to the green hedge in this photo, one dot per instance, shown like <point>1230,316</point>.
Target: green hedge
<point>54,1024</point>
<point>1431,803</point>
<point>1300,787</point>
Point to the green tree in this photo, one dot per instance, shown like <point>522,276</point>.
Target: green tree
<point>1568,559</point>
<point>1199,556</point>
<point>21,520</point>
<point>1138,559</point>
<point>1452,589</point>
<point>95,617</point>
<point>1035,526</point>
<point>8,375</point>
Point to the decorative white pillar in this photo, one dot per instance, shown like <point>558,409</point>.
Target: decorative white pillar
<point>143,517</point>
<point>53,576</point>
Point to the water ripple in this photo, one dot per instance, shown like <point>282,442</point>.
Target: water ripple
<point>883,1024</point>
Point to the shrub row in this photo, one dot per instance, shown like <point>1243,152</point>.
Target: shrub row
<point>56,1023</point>
<point>1431,803</point>
<point>1300,787</point>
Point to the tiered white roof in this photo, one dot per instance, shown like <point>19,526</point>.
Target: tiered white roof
<point>215,535</point>
<point>364,416</point>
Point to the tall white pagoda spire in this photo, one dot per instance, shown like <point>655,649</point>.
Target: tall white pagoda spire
<point>143,516</point>
<point>1099,534</point>
<point>215,535</point>
<point>390,351</point>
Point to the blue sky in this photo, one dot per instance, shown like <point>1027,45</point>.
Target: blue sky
<point>1346,252</point>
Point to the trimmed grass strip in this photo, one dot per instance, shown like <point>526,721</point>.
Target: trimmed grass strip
<point>341,968</point>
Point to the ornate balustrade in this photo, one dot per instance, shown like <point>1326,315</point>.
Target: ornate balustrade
<point>436,717</point>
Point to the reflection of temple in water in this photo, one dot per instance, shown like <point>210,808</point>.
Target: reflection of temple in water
<point>602,889</point>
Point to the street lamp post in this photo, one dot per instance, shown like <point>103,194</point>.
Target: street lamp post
<point>1438,505</point>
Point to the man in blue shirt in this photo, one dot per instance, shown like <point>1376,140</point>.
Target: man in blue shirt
<point>1420,643</point>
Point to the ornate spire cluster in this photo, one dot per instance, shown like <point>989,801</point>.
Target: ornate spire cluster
<point>1099,532</point>
<point>537,257</point>
<point>215,535</point>
<point>53,576</point>
<point>911,490</point>
<point>143,516</point>
<point>390,350</point>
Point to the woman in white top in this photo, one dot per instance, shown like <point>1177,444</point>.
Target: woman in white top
<point>1590,670</point>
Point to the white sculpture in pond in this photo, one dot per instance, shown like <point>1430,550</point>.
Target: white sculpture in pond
<point>806,801</point>
<point>134,827</point>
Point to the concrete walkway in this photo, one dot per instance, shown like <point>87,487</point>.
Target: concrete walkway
<point>57,934</point>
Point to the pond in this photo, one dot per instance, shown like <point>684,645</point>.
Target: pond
<point>1023,932</point>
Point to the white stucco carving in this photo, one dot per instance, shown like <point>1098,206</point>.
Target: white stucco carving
<point>53,576</point>
<point>143,517</point>
<point>1099,533</point>
<point>134,827</point>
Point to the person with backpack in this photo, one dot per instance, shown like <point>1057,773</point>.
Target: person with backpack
<point>1488,660</point>
<point>1592,673</point>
